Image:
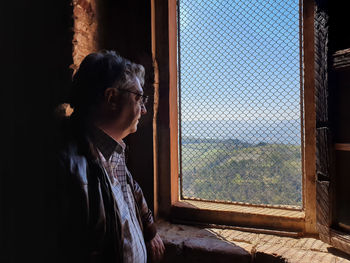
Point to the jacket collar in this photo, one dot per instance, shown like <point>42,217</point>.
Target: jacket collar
<point>104,143</point>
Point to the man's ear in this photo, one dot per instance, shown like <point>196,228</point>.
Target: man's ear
<point>110,97</point>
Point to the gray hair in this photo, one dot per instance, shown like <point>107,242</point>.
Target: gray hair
<point>132,71</point>
<point>97,72</point>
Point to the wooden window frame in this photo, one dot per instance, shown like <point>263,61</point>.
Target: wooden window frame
<point>167,202</point>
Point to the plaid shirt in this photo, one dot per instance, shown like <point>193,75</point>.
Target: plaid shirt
<point>113,159</point>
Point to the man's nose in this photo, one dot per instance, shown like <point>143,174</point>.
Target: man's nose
<point>143,109</point>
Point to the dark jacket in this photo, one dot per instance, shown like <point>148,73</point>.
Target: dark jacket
<point>88,218</point>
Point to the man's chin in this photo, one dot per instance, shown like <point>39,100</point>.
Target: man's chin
<point>133,129</point>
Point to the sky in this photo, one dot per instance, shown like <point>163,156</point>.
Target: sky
<point>239,60</point>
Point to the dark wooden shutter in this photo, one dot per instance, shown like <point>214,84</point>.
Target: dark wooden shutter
<point>332,167</point>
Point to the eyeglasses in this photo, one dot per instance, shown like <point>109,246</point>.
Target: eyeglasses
<point>144,98</point>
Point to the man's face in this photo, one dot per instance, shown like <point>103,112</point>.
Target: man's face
<point>132,108</point>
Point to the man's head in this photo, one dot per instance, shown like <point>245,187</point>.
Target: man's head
<point>107,89</point>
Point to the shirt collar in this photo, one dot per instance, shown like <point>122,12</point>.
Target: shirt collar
<point>106,144</point>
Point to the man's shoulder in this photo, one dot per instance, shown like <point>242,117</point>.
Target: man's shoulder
<point>73,162</point>
<point>71,149</point>
<point>70,139</point>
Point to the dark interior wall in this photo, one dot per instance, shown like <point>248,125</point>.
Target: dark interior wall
<point>339,96</point>
<point>125,26</point>
<point>36,44</point>
<point>339,20</point>
<point>36,47</point>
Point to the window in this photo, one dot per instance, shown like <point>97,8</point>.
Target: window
<point>223,70</point>
<point>240,101</point>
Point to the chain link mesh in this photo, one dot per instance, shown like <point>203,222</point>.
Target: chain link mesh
<point>240,101</point>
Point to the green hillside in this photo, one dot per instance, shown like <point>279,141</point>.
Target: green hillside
<point>235,171</point>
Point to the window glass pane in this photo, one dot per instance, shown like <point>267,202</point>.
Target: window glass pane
<point>240,101</point>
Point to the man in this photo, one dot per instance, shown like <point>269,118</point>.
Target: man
<point>102,215</point>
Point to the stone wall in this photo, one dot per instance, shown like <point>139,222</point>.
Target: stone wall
<point>85,35</point>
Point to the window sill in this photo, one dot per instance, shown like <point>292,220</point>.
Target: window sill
<point>288,222</point>
<point>195,244</point>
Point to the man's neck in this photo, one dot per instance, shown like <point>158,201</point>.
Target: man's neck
<point>109,124</point>
<point>117,134</point>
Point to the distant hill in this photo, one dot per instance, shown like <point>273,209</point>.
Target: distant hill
<point>234,170</point>
<point>250,131</point>
<point>235,142</point>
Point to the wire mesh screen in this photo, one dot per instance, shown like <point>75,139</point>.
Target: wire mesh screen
<point>240,101</point>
